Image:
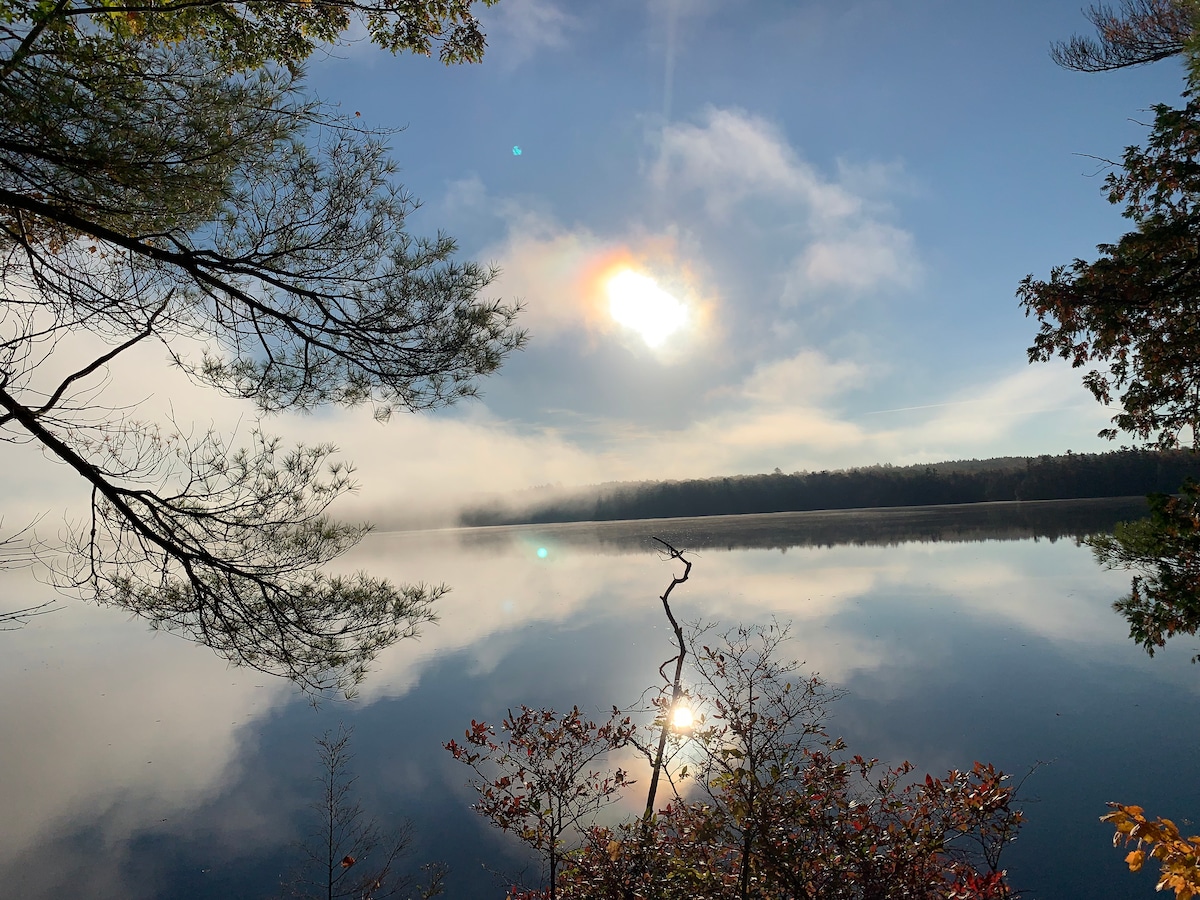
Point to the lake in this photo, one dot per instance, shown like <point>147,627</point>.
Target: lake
<point>137,765</point>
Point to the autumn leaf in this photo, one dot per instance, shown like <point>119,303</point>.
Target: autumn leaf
<point>1177,856</point>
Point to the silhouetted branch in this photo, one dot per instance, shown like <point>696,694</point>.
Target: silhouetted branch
<point>350,855</point>
<point>11,620</point>
<point>1137,33</point>
<point>676,683</point>
<point>16,553</point>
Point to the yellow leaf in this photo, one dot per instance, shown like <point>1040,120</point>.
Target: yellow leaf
<point>1135,860</point>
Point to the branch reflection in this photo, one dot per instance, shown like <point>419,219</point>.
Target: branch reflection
<point>1164,550</point>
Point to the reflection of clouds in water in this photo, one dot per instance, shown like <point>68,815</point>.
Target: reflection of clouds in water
<point>495,596</point>
<point>1053,591</point>
<point>1049,590</point>
<point>114,725</point>
<point>120,730</point>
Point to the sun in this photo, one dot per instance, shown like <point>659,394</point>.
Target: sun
<point>682,717</point>
<point>637,302</point>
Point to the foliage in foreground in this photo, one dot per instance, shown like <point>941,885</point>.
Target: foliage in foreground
<point>764,805</point>
<point>1178,857</point>
<point>1134,309</point>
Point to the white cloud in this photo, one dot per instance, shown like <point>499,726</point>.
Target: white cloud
<point>806,376</point>
<point>465,195</point>
<point>547,269</point>
<point>990,414</point>
<point>734,155</point>
<point>868,256</point>
<point>874,178</point>
<point>745,172</point>
<point>518,29</point>
<point>689,9</point>
<point>791,413</point>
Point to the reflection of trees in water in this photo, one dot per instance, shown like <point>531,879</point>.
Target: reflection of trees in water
<point>1164,551</point>
<point>15,552</point>
<point>349,855</point>
<point>767,806</point>
<point>1052,520</point>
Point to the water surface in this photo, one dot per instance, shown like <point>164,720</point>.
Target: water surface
<point>139,766</point>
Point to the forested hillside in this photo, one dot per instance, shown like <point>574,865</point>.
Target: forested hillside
<point>1075,475</point>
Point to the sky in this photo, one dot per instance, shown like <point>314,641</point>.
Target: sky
<point>833,200</point>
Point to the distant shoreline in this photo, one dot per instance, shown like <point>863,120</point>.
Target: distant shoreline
<point>1072,476</point>
<point>1051,520</point>
<point>1125,502</point>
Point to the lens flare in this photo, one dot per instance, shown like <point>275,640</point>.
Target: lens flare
<point>637,302</point>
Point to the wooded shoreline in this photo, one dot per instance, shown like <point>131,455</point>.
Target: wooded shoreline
<point>1051,520</point>
<point>1072,476</point>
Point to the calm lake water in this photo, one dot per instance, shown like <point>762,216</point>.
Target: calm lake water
<point>137,765</point>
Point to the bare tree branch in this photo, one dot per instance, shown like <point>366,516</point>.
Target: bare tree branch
<point>163,178</point>
<point>1136,33</point>
<point>676,684</point>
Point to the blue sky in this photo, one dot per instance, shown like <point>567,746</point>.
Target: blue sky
<point>844,194</point>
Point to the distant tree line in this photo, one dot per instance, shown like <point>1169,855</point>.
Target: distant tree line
<point>1123,473</point>
<point>889,527</point>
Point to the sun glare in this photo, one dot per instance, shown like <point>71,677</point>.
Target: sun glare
<point>637,302</point>
<point>681,717</point>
